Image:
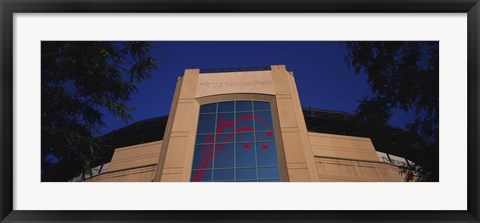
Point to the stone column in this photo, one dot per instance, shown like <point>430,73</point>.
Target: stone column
<point>180,131</point>
<point>298,152</point>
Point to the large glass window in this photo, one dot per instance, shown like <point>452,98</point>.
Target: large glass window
<point>235,143</point>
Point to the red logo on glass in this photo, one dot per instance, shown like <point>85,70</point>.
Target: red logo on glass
<point>207,153</point>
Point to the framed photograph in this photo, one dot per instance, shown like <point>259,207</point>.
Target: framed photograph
<point>239,111</point>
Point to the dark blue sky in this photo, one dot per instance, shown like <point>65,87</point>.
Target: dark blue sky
<point>323,78</point>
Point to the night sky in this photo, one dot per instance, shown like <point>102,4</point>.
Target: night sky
<point>323,79</point>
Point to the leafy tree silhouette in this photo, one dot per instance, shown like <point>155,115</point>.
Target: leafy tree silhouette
<point>79,80</point>
<point>402,75</point>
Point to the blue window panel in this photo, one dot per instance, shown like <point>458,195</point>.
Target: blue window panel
<point>270,180</point>
<point>224,138</point>
<point>204,139</point>
<point>268,173</point>
<point>206,123</point>
<point>225,122</point>
<point>226,106</point>
<point>201,158</point>
<point>264,136</point>
<point>244,121</point>
<point>201,176</point>
<point>266,154</point>
<point>263,121</point>
<point>224,156</point>
<point>223,175</point>
<point>244,137</point>
<point>246,174</point>
<point>261,106</point>
<point>208,108</point>
<point>244,157</point>
<point>244,148</point>
<point>243,106</point>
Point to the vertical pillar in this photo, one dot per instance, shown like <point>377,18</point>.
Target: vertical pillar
<point>180,131</point>
<point>298,152</point>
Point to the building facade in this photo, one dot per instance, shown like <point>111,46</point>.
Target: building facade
<point>242,126</point>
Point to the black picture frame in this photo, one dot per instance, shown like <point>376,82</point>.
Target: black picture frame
<point>9,7</point>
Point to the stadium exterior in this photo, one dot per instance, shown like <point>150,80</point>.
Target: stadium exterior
<point>244,125</point>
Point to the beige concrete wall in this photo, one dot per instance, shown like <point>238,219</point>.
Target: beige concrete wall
<point>137,174</point>
<point>337,159</point>
<point>259,82</point>
<point>342,147</point>
<point>350,159</point>
<point>343,170</point>
<point>135,163</point>
<point>135,156</point>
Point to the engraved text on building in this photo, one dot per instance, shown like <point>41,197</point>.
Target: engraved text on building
<point>214,84</point>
